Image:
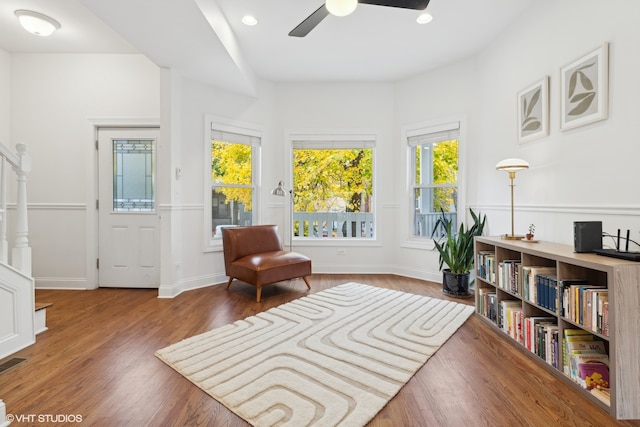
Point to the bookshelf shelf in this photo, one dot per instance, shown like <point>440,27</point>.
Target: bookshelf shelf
<point>523,288</point>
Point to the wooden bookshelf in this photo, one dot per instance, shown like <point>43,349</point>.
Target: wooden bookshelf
<point>621,278</point>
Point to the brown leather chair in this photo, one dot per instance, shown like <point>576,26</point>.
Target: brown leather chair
<point>254,254</point>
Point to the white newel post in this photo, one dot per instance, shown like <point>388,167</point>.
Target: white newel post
<point>3,415</point>
<point>4,244</point>
<point>21,253</point>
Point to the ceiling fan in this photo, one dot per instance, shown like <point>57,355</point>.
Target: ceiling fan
<point>346,7</point>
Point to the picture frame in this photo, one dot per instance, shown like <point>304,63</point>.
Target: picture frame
<point>584,89</point>
<point>533,111</point>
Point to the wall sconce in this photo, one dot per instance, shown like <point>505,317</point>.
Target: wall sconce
<point>37,23</point>
<point>282,191</point>
<point>512,166</point>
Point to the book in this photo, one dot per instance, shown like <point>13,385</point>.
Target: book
<point>569,336</point>
<point>593,374</point>
<point>582,304</point>
<point>582,347</point>
<point>531,324</point>
<point>533,272</point>
<point>486,265</point>
<point>605,319</point>
<point>593,345</point>
<point>543,339</point>
<point>492,306</point>
<point>603,394</point>
<point>564,288</point>
<point>552,292</point>
<point>604,315</point>
<point>508,275</point>
<point>592,370</point>
<point>592,301</point>
<point>505,321</point>
<point>551,348</point>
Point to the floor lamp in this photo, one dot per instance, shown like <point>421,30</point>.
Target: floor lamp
<point>512,166</point>
<point>281,191</point>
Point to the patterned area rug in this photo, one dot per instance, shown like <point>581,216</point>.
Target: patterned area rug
<point>333,358</point>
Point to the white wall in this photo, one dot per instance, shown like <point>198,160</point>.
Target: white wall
<point>53,100</point>
<point>346,107</point>
<point>587,173</point>
<point>191,266</point>
<point>583,174</point>
<point>446,93</point>
<point>5,98</point>
<point>277,109</point>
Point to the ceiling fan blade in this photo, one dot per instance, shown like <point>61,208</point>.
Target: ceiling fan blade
<point>310,23</point>
<point>405,4</point>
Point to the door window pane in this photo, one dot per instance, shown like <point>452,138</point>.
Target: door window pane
<point>133,176</point>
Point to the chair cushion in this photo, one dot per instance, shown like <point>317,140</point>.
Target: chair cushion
<point>270,267</point>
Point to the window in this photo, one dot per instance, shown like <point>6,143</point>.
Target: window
<point>133,175</point>
<point>434,161</point>
<point>333,189</point>
<point>232,170</point>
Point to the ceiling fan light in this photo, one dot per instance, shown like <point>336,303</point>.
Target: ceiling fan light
<point>249,20</point>
<point>424,18</point>
<point>37,23</point>
<point>341,7</point>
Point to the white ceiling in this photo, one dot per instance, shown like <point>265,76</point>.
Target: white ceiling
<point>205,39</point>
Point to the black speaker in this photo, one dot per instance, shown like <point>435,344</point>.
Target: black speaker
<point>587,236</point>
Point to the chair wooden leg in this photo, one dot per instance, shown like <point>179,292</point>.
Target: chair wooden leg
<point>229,282</point>
<point>307,282</point>
<point>258,293</point>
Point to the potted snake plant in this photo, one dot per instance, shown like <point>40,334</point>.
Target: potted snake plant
<point>456,249</point>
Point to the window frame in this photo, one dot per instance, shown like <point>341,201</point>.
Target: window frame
<point>254,134</point>
<point>424,128</point>
<point>334,139</point>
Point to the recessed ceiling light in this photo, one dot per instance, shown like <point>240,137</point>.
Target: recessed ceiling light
<point>37,23</point>
<point>424,18</point>
<point>249,20</point>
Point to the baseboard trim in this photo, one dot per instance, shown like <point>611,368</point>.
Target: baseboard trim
<point>63,283</point>
<point>191,284</point>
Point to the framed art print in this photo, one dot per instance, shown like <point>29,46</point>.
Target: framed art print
<point>584,85</point>
<point>533,111</point>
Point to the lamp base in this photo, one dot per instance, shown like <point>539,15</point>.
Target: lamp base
<point>511,237</point>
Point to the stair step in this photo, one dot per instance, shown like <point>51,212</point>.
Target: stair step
<point>41,316</point>
<point>43,305</point>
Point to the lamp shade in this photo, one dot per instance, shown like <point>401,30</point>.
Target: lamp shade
<point>512,165</point>
<point>341,7</point>
<point>37,23</point>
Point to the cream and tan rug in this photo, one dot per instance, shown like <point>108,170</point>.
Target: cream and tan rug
<point>333,358</point>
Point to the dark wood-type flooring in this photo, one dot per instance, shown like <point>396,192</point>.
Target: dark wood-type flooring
<point>97,360</point>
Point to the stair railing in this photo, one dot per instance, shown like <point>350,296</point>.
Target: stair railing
<point>20,163</point>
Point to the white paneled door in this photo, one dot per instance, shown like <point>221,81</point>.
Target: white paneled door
<point>128,249</point>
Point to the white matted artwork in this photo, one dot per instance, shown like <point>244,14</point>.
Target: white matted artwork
<point>533,111</point>
<point>584,87</point>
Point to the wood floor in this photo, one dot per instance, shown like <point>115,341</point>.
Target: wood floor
<point>97,361</point>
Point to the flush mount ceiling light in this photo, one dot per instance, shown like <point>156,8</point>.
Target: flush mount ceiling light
<point>37,23</point>
<point>424,18</point>
<point>249,20</point>
<point>341,7</point>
